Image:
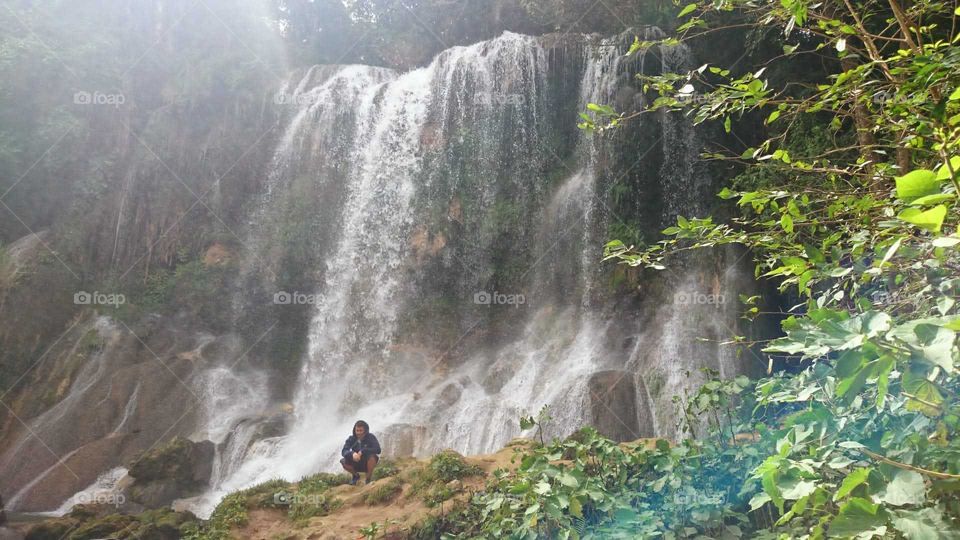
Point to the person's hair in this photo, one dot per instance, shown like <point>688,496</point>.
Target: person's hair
<point>366,427</point>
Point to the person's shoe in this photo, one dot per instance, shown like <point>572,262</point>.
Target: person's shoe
<point>354,479</point>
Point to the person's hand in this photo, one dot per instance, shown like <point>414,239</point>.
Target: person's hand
<point>356,456</point>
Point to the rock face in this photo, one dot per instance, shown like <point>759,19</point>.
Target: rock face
<point>613,405</point>
<point>180,468</point>
<point>112,391</point>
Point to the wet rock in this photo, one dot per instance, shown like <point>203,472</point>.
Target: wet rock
<point>613,409</point>
<point>177,469</point>
<point>52,529</point>
<point>448,396</point>
<point>75,472</point>
<point>402,440</point>
<point>10,534</point>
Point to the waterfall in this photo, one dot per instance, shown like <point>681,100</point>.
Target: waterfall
<point>443,191</point>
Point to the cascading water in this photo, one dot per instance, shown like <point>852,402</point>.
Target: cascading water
<point>460,185</point>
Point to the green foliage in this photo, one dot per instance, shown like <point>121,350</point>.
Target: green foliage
<point>590,487</point>
<point>385,468</point>
<point>539,421</point>
<point>449,465</point>
<point>431,481</point>
<point>858,426</point>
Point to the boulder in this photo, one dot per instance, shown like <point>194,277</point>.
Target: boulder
<point>177,469</point>
<point>613,405</point>
<point>402,440</point>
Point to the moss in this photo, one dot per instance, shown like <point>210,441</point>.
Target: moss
<point>231,512</point>
<point>169,461</point>
<point>438,494</point>
<point>319,482</point>
<point>53,529</point>
<point>86,524</point>
<point>384,492</point>
<point>306,506</point>
<point>268,494</point>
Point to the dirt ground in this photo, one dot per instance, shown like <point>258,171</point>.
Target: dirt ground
<point>395,516</point>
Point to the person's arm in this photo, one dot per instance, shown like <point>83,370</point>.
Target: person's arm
<point>347,447</point>
<point>372,446</point>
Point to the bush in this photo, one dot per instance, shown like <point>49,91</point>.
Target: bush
<point>449,465</point>
<point>385,469</point>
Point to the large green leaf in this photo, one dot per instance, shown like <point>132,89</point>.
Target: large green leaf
<point>856,516</point>
<point>924,524</point>
<point>916,184</point>
<point>852,480</point>
<point>907,487</point>
<point>930,220</point>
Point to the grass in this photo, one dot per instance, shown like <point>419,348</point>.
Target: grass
<point>430,481</point>
<point>384,492</point>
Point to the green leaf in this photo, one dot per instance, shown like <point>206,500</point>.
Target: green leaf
<point>576,509</point>
<point>759,500</point>
<point>687,10</point>
<point>852,480</point>
<point>856,516</point>
<point>943,173</point>
<point>787,223</point>
<point>798,489</point>
<point>916,184</point>
<point>769,483</point>
<point>930,220</point>
<point>726,124</point>
<point>933,199</point>
<point>906,488</point>
<point>568,480</point>
<point>924,524</point>
<point>929,397</point>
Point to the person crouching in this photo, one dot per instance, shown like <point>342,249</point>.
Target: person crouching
<point>360,453</point>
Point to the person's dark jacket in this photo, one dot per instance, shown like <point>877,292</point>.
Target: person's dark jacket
<point>367,446</point>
